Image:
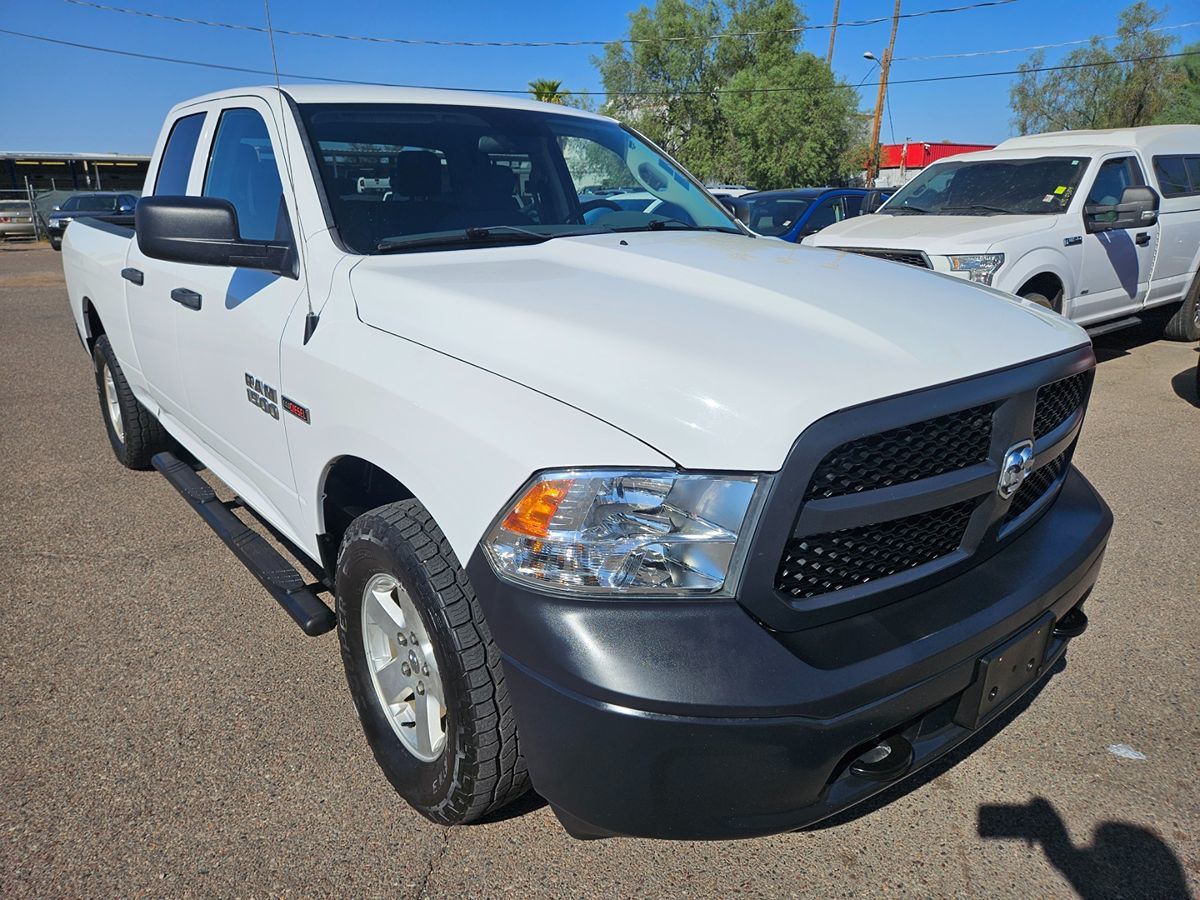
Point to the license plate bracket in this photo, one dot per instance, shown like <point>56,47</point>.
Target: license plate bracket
<point>1005,672</point>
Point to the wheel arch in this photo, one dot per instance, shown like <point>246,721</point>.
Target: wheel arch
<point>92,324</point>
<point>349,486</point>
<point>1046,283</point>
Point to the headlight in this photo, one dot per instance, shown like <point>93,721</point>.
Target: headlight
<point>624,532</point>
<point>980,267</point>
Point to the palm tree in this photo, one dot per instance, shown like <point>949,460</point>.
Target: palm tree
<point>547,90</point>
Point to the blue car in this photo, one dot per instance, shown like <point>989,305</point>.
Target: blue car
<point>795,213</point>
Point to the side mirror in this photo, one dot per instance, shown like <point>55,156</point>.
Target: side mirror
<point>872,201</point>
<point>1138,209</point>
<point>203,231</point>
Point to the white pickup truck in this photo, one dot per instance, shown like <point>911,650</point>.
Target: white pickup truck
<point>701,534</point>
<point>1100,226</point>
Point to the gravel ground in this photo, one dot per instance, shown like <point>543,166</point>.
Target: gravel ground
<point>168,731</point>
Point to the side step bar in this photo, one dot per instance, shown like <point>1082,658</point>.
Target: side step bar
<point>1109,327</point>
<point>265,563</point>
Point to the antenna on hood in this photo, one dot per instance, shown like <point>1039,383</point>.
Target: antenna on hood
<point>311,318</point>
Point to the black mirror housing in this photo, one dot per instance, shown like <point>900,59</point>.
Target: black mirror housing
<point>203,231</point>
<point>872,201</point>
<point>1138,209</point>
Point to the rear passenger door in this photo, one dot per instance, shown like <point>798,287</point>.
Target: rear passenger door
<point>148,281</point>
<point>1178,181</point>
<point>1115,277</point>
<point>230,321</point>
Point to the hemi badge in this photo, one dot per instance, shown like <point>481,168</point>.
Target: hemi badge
<point>300,412</point>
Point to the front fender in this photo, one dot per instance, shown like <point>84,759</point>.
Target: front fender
<point>1036,262</point>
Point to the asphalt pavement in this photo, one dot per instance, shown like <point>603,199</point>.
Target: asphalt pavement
<point>166,730</point>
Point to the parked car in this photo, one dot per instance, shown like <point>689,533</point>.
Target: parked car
<point>642,511</point>
<point>114,208</point>
<point>15,219</point>
<point>1096,225</point>
<point>794,213</point>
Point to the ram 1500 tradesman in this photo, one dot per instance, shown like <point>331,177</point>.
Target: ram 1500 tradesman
<point>699,534</point>
<point>1101,226</point>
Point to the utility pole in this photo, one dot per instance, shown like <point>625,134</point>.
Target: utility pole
<point>884,67</point>
<point>833,32</point>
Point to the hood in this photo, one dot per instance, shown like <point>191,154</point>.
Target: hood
<point>933,234</point>
<point>717,350</point>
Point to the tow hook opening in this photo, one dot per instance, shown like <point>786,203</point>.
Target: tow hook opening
<point>1073,623</point>
<point>886,761</point>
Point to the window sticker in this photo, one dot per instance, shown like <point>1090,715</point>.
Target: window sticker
<point>1061,189</point>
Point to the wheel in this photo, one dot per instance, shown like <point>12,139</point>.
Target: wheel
<point>135,435</point>
<point>56,243</point>
<point>422,668</point>
<point>1185,324</point>
<point>1040,299</point>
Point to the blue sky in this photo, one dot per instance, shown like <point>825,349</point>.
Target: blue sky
<point>81,100</point>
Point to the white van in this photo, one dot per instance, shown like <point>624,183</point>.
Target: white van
<point>1064,219</point>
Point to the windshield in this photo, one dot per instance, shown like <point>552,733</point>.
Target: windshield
<point>771,216</point>
<point>1042,186</point>
<point>92,202</point>
<point>406,173</point>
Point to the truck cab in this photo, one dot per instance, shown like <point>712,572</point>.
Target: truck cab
<point>1037,217</point>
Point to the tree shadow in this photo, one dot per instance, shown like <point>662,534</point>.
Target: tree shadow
<point>1186,385</point>
<point>1123,860</point>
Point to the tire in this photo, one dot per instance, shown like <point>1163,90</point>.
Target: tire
<point>1183,325</point>
<point>134,433</point>
<point>1042,300</point>
<point>478,767</point>
<point>56,243</point>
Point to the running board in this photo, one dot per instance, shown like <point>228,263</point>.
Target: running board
<point>265,563</point>
<point>1106,327</point>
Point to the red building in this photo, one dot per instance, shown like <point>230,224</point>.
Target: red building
<point>898,163</point>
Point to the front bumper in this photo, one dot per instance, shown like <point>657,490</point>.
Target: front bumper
<point>692,720</point>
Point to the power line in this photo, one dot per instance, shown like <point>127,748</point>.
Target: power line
<point>1107,37</point>
<point>429,42</point>
<point>525,91</point>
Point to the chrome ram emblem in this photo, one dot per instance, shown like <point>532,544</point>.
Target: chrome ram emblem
<point>1018,462</point>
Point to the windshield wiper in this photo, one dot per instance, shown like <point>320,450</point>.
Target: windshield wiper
<point>1000,210</point>
<point>468,236</point>
<point>915,210</point>
<point>666,222</point>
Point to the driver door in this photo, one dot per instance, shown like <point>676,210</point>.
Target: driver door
<point>1115,276</point>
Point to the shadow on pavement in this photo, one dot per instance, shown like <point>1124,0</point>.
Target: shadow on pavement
<point>1119,343</point>
<point>1123,860</point>
<point>1187,385</point>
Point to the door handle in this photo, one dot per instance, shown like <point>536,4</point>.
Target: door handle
<point>1142,239</point>
<point>187,298</point>
<point>134,276</point>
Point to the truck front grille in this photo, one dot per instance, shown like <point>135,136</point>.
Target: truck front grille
<point>856,535</point>
<point>900,455</point>
<point>908,257</point>
<point>1056,402</point>
<point>820,563</point>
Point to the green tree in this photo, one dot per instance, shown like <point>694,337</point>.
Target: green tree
<point>700,98</point>
<point>1183,101</point>
<point>548,90</point>
<point>1101,92</point>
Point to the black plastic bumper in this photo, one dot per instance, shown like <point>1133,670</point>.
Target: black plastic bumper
<point>692,720</point>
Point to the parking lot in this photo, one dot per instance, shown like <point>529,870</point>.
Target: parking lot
<point>168,730</point>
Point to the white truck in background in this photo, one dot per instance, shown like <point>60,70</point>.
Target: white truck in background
<point>1100,226</point>
<point>700,534</point>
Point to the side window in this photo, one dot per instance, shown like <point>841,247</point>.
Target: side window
<point>853,205</point>
<point>177,156</point>
<point>1114,176</point>
<point>1193,169</point>
<point>1172,175</point>
<point>827,213</point>
<point>242,170</point>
